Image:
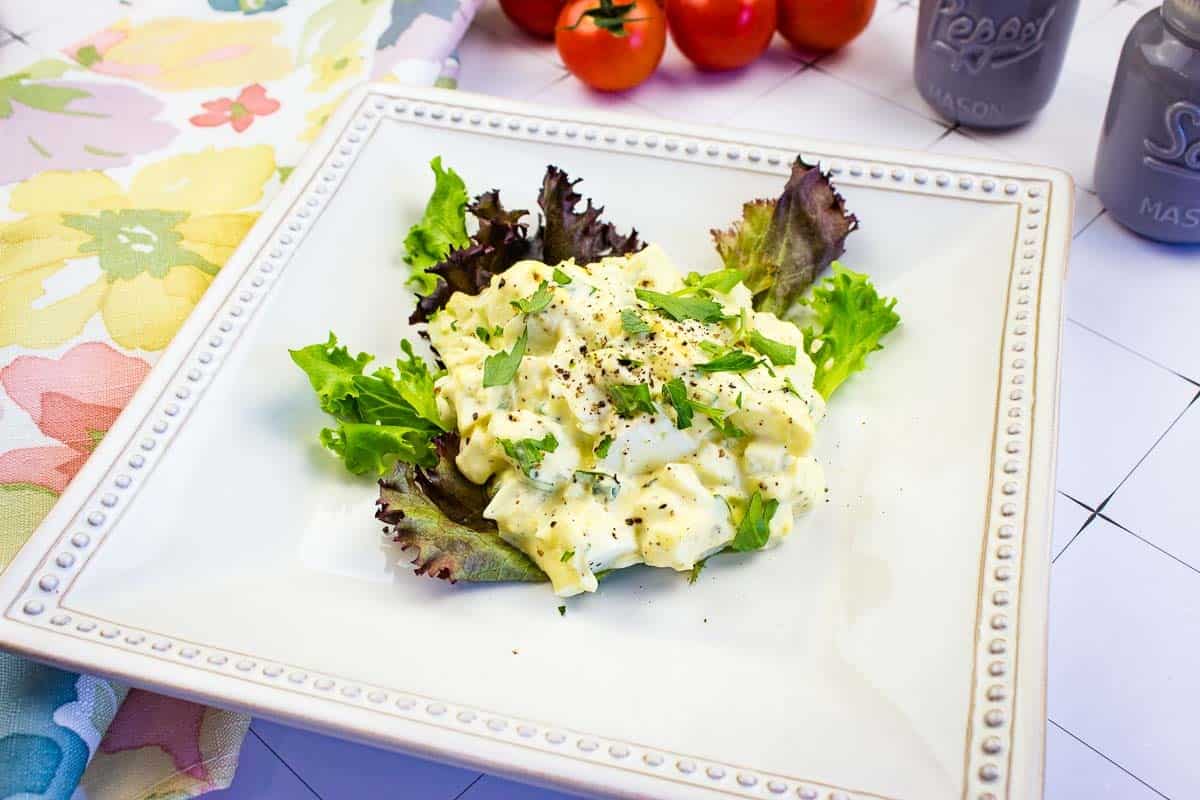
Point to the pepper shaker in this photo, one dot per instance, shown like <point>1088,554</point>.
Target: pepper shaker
<point>991,63</point>
<point>1148,162</point>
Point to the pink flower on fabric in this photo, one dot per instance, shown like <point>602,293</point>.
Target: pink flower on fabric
<point>151,720</point>
<point>74,399</point>
<point>240,113</point>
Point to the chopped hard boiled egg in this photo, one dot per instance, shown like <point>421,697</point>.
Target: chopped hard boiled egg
<point>642,415</point>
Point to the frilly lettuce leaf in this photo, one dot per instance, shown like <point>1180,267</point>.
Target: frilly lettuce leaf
<point>437,514</point>
<point>502,240</point>
<point>782,245</point>
<point>848,320</point>
<point>567,233</point>
<point>388,415</point>
<point>442,228</point>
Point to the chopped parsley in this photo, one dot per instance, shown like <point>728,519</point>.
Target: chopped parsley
<point>779,353</point>
<point>790,387</point>
<point>755,527</point>
<point>560,277</point>
<point>723,280</point>
<point>730,361</point>
<point>712,348</point>
<point>528,453</point>
<point>567,556</point>
<point>694,574</point>
<point>562,611</point>
<point>630,398</point>
<point>484,335</point>
<point>675,394</point>
<point>681,308</point>
<point>535,302</point>
<point>603,446</point>
<point>633,323</point>
<point>500,368</point>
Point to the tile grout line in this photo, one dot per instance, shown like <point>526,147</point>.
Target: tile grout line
<point>467,788</point>
<point>1126,347</point>
<point>286,765</point>
<point>1166,553</point>
<point>1106,758</point>
<point>1145,455</point>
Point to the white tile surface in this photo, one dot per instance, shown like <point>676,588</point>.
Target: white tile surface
<point>1124,657</point>
<point>503,65</point>
<point>1158,502</point>
<point>1113,408</point>
<point>1140,293</point>
<point>1067,131</point>
<point>1069,519</point>
<point>1076,772</point>
<point>570,93</point>
<point>339,770</point>
<point>1096,46</point>
<point>880,60</point>
<point>816,104</point>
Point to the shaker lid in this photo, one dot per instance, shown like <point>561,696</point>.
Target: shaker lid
<point>1183,16</point>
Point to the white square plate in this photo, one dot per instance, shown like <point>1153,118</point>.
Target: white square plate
<point>894,647</point>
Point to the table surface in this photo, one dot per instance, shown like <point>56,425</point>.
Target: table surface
<point>1125,601</point>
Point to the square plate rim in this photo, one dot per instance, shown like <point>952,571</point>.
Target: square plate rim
<point>589,773</point>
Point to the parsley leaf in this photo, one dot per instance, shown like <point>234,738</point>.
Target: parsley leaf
<point>779,353</point>
<point>567,556</point>
<point>720,420</point>
<point>694,573</point>
<point>528,453</point>
<point>790,387</point>
<point>675,393</point>
<point>560,277</point>
<point>603,447</point>
<point>850,318</point>
<point>632,322</point>
<point>486,336</point>
<point>630,398</point>
<point>712,348</point>
<point>755,527</point>
<point>723,281</point>
<point>730,361</point>
<point>535,302</point>
<point>681,308</point>
<point>500,368</point>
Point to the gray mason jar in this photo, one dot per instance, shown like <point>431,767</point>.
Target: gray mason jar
<point>1148,163</point>
<point>991,63</point>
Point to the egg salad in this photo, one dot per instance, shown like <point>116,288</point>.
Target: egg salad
<point>622,414</point>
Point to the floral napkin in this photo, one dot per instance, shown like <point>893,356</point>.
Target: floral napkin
<point>133,162</point>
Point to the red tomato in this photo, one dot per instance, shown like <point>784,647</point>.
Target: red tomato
<point>611,46</point>
<point>823,24</point>
<point>721,34</point>
<point>535,17</point>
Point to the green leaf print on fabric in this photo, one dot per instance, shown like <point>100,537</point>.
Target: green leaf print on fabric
<point>132,241</point>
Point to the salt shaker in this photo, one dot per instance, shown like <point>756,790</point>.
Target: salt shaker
<point>991,63</point>
<point>1148,163</point>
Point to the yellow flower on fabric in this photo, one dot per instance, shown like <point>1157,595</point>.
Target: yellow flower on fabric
<point>332,69</point>
<point>141,256</point>
<point>177,54</point>
<point>317,117</point>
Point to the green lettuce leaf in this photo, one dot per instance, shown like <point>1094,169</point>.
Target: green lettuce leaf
<point>441,229</point>
<point>782,245</point>
<point>388,415</point>
<point>849,318</point>
<point>438,516</point>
